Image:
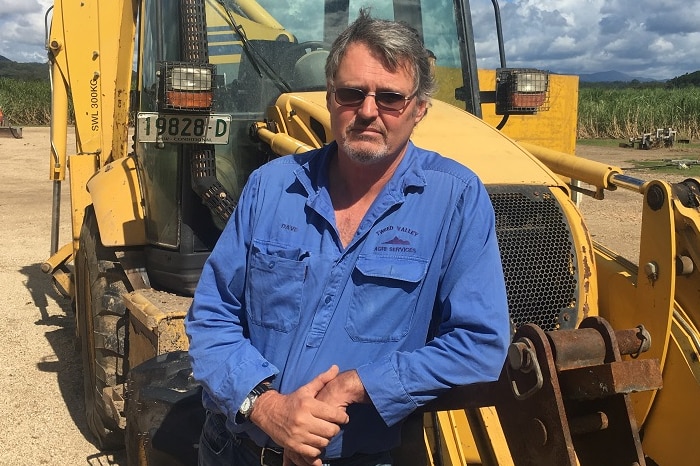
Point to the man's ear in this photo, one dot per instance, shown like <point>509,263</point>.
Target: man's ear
<point>421,111</point>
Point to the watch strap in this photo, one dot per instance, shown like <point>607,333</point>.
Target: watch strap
<point>261,388</point>
<point>252,397</point>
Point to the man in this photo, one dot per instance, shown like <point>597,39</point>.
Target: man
<point>354,284</point>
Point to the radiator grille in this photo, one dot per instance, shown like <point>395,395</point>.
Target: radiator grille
<point>538,257</point>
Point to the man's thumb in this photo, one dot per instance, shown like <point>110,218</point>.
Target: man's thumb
<point>320,381</point>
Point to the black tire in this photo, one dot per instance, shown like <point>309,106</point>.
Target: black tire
<point>101,321</point>
<point>165,412</point>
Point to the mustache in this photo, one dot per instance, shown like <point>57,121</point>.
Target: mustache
<point>359,125</point>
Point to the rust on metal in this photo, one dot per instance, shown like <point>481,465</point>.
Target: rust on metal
<point>590,383</point>
<point>585,347</point>
<point>536,427</point>
<point>589,423</point>
<point>563,396</point>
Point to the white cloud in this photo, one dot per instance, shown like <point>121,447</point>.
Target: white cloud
<point>22,32</point>
<point>646,38</point>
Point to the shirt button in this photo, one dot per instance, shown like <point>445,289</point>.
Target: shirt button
<point>328,299</point>
<point>270,265</point>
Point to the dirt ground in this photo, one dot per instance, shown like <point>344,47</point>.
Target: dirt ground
<point>41,409</point>
<point>42,419</point>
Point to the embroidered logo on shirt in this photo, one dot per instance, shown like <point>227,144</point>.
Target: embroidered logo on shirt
<point>398,241</point>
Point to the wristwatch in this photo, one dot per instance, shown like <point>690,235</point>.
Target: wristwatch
<point>250,399</point>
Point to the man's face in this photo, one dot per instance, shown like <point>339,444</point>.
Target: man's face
<point>366,133</point>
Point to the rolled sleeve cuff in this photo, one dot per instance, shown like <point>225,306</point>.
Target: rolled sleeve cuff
<point>384,387</point>
<point>228,385</point>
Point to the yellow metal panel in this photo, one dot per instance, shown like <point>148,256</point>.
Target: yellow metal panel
<point>293,114</point>
<point>654,295</point>
<point>97,68</point>
<point>119,54</point>
<point>670,432</point>
<point>464,437</point>
<point>629,297</point>
<point>496,436</point>
<point>443,439</point>
<point>554,128</point>
<point>71,20</point>
<point>82,167</point>
<point>116,197</point>
<point>496,159</point>
<point>457,438</point>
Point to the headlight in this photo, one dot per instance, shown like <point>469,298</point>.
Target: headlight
<point>186,86</point>
<point>521,91</point>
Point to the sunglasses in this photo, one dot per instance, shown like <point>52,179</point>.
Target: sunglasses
<point>386,100</point>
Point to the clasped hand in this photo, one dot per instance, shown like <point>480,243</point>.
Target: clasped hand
<point>304,421</point>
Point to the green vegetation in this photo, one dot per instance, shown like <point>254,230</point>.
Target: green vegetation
<point>606,112</point>
<point>688,79</point>
<point>599,142</point>
<point>25,103</point>
<point>685,167</point>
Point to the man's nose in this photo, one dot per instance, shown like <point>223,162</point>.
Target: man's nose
<point>369,108</point>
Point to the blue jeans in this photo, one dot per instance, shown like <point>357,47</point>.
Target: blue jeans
<point>218,447</point>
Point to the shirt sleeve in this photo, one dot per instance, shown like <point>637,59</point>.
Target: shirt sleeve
<point>471,340</point>
<point>223,360</point>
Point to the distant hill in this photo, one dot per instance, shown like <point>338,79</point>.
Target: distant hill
<point>23,71</point>
<point>611,76</point>
<point>685,80</point>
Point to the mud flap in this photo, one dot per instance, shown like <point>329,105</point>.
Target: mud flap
<point>164,412</point>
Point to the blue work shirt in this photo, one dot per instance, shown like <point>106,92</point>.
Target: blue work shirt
<point>416,302</point>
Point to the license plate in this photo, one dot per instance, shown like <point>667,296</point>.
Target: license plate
<point>183,129</point>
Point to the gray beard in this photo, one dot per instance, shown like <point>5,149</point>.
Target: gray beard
<point>365,157</point>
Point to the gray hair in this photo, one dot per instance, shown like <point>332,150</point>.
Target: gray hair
<point>396,43</point>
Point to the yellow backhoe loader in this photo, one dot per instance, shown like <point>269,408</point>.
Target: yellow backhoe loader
<point>176,102</point>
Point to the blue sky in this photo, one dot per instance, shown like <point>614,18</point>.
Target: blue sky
<point>656,39</point>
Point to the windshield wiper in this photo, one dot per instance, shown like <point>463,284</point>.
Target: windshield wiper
<point>258,61</point>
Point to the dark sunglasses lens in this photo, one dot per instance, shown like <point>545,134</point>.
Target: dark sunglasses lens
<point>387,100</point>
<point>391,100</point>
<point>349,96</point>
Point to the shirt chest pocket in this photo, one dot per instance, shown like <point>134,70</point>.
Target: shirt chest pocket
<point>384,298</point>
<point>274,288</point>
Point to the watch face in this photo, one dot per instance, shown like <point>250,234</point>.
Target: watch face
<point>246,405</point>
